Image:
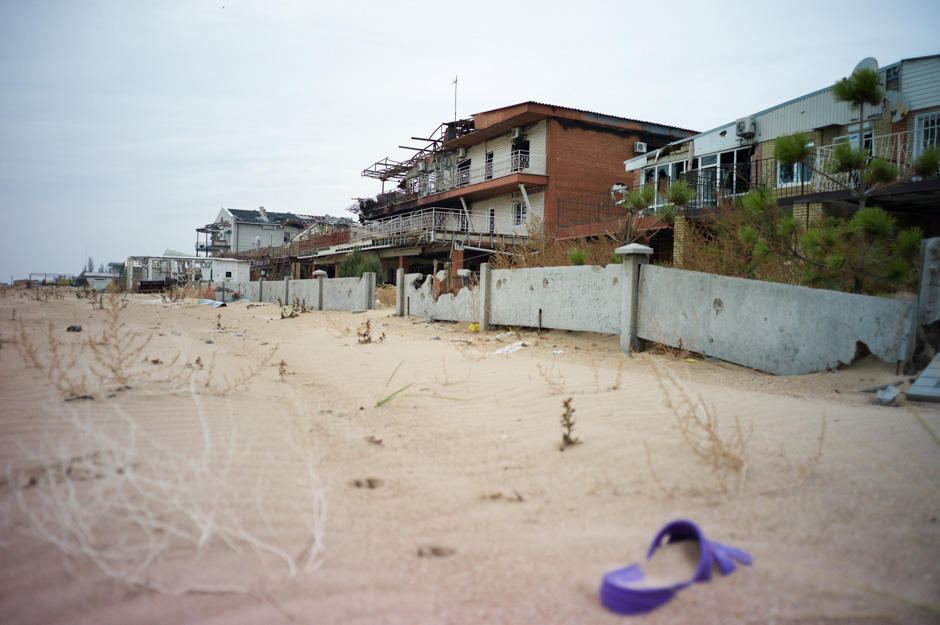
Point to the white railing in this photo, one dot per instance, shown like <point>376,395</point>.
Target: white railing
<point>436,219</point>
<point>518,162</point>
<point>900,149</point>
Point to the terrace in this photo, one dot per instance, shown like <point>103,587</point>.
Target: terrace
<point>446,179</point>
<point>795,184</point>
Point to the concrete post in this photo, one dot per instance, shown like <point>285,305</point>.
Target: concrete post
<point>261,289</point>
<point>320,276</point>
<point>485,288</point>
<point>287,290</point>
<point>400,292</point>
<point>634,255</point>
<point>368,291</point>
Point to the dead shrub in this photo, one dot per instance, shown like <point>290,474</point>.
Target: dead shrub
<point>144,512</point>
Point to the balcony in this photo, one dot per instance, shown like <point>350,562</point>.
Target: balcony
<point>901,149</point>
<point>428,226</point>
<point>519,162</point>
<point>798,183</point>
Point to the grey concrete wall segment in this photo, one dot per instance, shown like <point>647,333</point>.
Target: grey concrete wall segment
<point>274,291</point>
<point>787,330</point>
<point>464,306</point>
<point>568,298</point>
<point>338,294</point>
<point>634,255</point>
<point>304,291</point>
<point>400,292</point>
<point>251,290</point>
<point>928,296</point>
<point>343,294</point>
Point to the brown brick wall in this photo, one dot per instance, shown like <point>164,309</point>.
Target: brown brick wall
<point>581,160</point>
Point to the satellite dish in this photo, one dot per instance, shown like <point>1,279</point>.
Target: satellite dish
<point>897,106</point>
<point>867,63</point>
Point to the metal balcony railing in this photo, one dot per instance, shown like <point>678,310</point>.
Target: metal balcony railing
<point>439,219</point>
<point>519,161</point>
<point>900,148</point>
<point>720,183</point>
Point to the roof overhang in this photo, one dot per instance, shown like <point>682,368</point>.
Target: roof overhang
<point>490,124</point>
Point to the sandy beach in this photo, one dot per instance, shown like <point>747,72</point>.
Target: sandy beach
<point>190,464</point>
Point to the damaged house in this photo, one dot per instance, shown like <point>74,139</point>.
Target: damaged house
<point>479,184</point>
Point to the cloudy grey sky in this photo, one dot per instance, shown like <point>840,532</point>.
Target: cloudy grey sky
<point>125,125</point>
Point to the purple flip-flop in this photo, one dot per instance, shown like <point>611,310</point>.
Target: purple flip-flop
<point>623,590</point>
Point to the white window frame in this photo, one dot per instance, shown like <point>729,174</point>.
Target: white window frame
<point>926,131</point>
<point>800,173</point>
<point>852,137</point>
<point>519,213</point>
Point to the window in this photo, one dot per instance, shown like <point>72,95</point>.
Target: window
<point>926,132</point>
<point>463,173</point>
<point>797,173</point>
<point>492,220</point>
<point>228,275</point>
<point>488,167</point>
<point>852,137</point>
<point>518,213</point>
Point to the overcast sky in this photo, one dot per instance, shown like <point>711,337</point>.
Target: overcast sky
<point>125,125</point>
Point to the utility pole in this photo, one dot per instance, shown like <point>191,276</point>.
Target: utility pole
<point>455,97</point>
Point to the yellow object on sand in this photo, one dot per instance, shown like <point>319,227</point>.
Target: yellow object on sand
<point>474,327</point>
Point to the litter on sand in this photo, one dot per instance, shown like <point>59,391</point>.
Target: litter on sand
<point>514,347</point>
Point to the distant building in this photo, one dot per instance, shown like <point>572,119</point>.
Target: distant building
<point>236,230</point>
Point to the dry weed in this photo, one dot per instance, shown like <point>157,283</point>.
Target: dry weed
<point>552,376</point>
<point>468,350</point>
<point>677,351</point>
<point>337,329</point>
<point>567,426</point>
<point>117,351</point>
<point>144,512</point>
<point>57,360</point>
<point>365,334</point>
<point>618,379</point>
<point>445,380</point>
<point>242,380</point>
<point>116,357</point>
<point>723,452</point>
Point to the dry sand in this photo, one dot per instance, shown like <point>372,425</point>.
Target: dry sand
<point>438,510</point>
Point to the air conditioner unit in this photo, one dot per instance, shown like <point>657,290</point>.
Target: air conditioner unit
<point>423,166</point>
<point>461,152</point>
<point>746,127</point>
<point>516,133</point>
<point>640,147</point>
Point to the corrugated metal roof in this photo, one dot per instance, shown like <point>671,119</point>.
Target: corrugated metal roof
<point>254,217</point>
<point>576,110</point>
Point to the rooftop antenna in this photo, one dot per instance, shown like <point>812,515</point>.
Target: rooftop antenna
<point>455,97</point>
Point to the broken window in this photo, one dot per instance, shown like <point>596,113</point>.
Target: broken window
<point>463,173</point>
<point>518,213</point>
<point>488,167</point>
<point>797,173</point>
